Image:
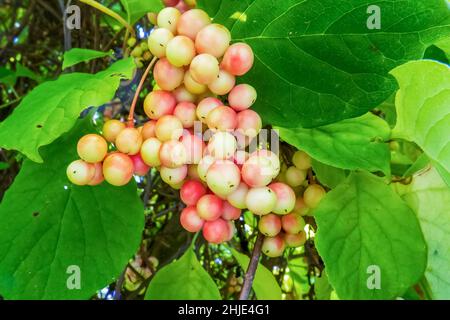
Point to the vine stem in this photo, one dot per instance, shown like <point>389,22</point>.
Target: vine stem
<point>252,266</point>
<point>138,90</point>
<point>110,13</point>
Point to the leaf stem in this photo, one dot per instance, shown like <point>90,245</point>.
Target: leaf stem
<point>138,90</point>
<point>252,266</point>
<point>110,13</point>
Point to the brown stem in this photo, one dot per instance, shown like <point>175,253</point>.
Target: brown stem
<point>251,270</point>
<point>138,90</point>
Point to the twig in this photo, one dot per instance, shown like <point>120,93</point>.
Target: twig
<point>252,266</point>
<point>119,284</point>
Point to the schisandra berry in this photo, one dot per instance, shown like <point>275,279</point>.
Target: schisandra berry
<point>172,154</point>
<point>238,196</point>
<point>140,167</point>
<point>80,172</point>
<point>223,177</point>
<point>173,176</point>
<point>159,103</point>
<point>301,160</point>
<point>191,22</point>
<point>294,176</point>
<point>238,59</point>
<point>190,220</point>
<point>192,85</point>
<point>230,212</point>
<point>285,198</point>
<point>98,175</point>
<point>157,41</point>
<point>180,51</point>
<point>150,152</point>
<point>194,147</point>
<point>216,231</point>
<point>300,207</point>
<point>168,18</point>
<point>295,240</point>
<point>148,130</point>
<point>203,166</point>
<point>205,106</point>
<point>213,39</point>
<point>223,83</point>
<point>92,148</point>
<point>222,145</point>
<point>168,127</point>
<point>260,200</point>
<point>129,141</point>
<point>270,225</point>
<point>182,94</point>
<point>118,169</point>
<point>204,68</point>
<point>209,207</point>
<point>249,122</point>
<point>167,76</point>
<point>242,97</point>
<point>222,118</point>
<point>292,223</point>
<point>111,129</point>
<point>191,192</point>
<point>313,195</point>
<point>273,246</point>
<point>186,113</point>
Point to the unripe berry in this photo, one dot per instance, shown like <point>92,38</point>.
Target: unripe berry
<point>136,52</point>
<point>150,152</point>
<point>147,55</point>
<point>313,195</point>
<point>92,148</point>
<point>190,220</point>
<point>204,165</point>
<point>140,168</point>
<point>186,112</point>
<point>118,169</point>
<point>204,68</point>
<point>223,177</point>
<point>168,18</point>
<point>172,154</point>
<point>301,160</point>
<point>249,122</point>
<point>230,212</point>
<point>157,41</point>
<point>168,127</point>
<point>285,198</point>
<point>191,22</point>
<point>180,51</point>
<point>80,172</point>
<point>173,176</point>
<point>111,129</point>
<point>131,41</point>
<point>159,103</point>
<point>129,141</point>
<point>213,39</point>
<point>205,106</point>
<point>242,97</point>
<point>260,200</point>
<point>295,176</point>
<point>144,46</point>
<point>295,240</point>
<point>176,186</point>
<point>223,83</point>
<point>222,118</point>
<point>209,207</point>
<point>300,207</point>
<point>292,223</point>
<point>238,59</point>
<point>216,231</point>
<point>148,130</point>
<point>238,196</point>
<point>257,171</point>
<point>222,145</point>
<point>167,76</point>
<point>191,192</point>
<point>98,175</point>
<point>182,94</point>
<point>193,86</point>
<point>273,246</point>
<point>151,16</point>
<point>194,148</point>
<point>270,225</point>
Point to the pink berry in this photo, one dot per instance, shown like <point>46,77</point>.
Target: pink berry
<point>229,212</point>
<point>216,231</point>
<point>238,59</point>
<point>190,220</point>
<point>191,192</point>
<point>209,207</point>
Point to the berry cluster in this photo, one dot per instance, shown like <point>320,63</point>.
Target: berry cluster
<point>139,51</point>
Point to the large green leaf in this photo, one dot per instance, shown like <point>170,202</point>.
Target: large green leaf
<point>77,55</point>
<point>52,108</point>
<point>357,143</point>
<point>327,175</point>
<point>429,197</point>
<point>48,225</point>
<point>364,225</point>
<point>423,108</point>
<point>444,45</point>
<point>316,62</point>
<point>136,9</point>
<point>264,284</point>
<point>184,279</point>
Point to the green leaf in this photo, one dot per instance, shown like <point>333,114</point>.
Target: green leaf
<point>77,55</point>
<point>328,175</point>
<point>48,226</point>
<point>363,224</point>
<point>444,45</point>
<point>316,61</point>
<point>9,77</point>
<point>184,279</point>
<point>356,143</point>
<point>264,284</point>
<point>136,9</point>
<point>322,287</point>
<point>429,197</point>
<point>4,165</point>
<point>52,108</point>
<point>423,108</point>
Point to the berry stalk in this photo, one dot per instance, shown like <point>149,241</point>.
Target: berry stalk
<point>252,266</point>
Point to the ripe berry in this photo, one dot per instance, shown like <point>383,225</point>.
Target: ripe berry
<point>118,169</point>
<point>80,172</point>
<point>270,225</point>
<point>257,171</point>
<point>191,192</point>
<point>238,196</point>
<point>191,22</point>
<point>111,129</point>
<point>129,141</point>
<point>231,231</point>
<point>150,152</point>
<point>173,176</point>
<point>285,198</point>
<point>216,231</point>
<point>190,220</point>
<point>167,76</point>
<point>238,59</point>
<point>272,157</point>
<point>186,112</point>
<point>204,165</point>
<point>148,130</point>
<point>273,246</point>
<point>222,145</point>
<point>300,207</point>
<point>260,200</point>
<point>230,212</point>
<point>295,240</point>
<point>180,51</point>
<point>223,177</point>
<point>182,94</point>
<point>157,41</point>
<point>140,168</point>
<point>222,118</point>
<point>242,97</point>
<point>193,86</point>
<point>313,195</point>
<point>168,18</point>
<point>204,68</point>
<point>209,207</point>
<point>249,122</point>
<point>92,148</point>
<point>168,127</point>
<point>213,39</point>
<point>205,106</point>
<point>172,154</point>
<point>223,83</point>
<point>292,223</point>
<point>194,148</point>
<point>159,103</point>
<point>294,176</point>
<point>98,175</point>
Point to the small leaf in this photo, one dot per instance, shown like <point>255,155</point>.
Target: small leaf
<point>264,284</point>
<point>77,55</point>
<point>52,108</point>
<point>357,143</point>
<point>49,228</point>
<point>184,279</point>
<point>136,9</point>
<point>369,239</point>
